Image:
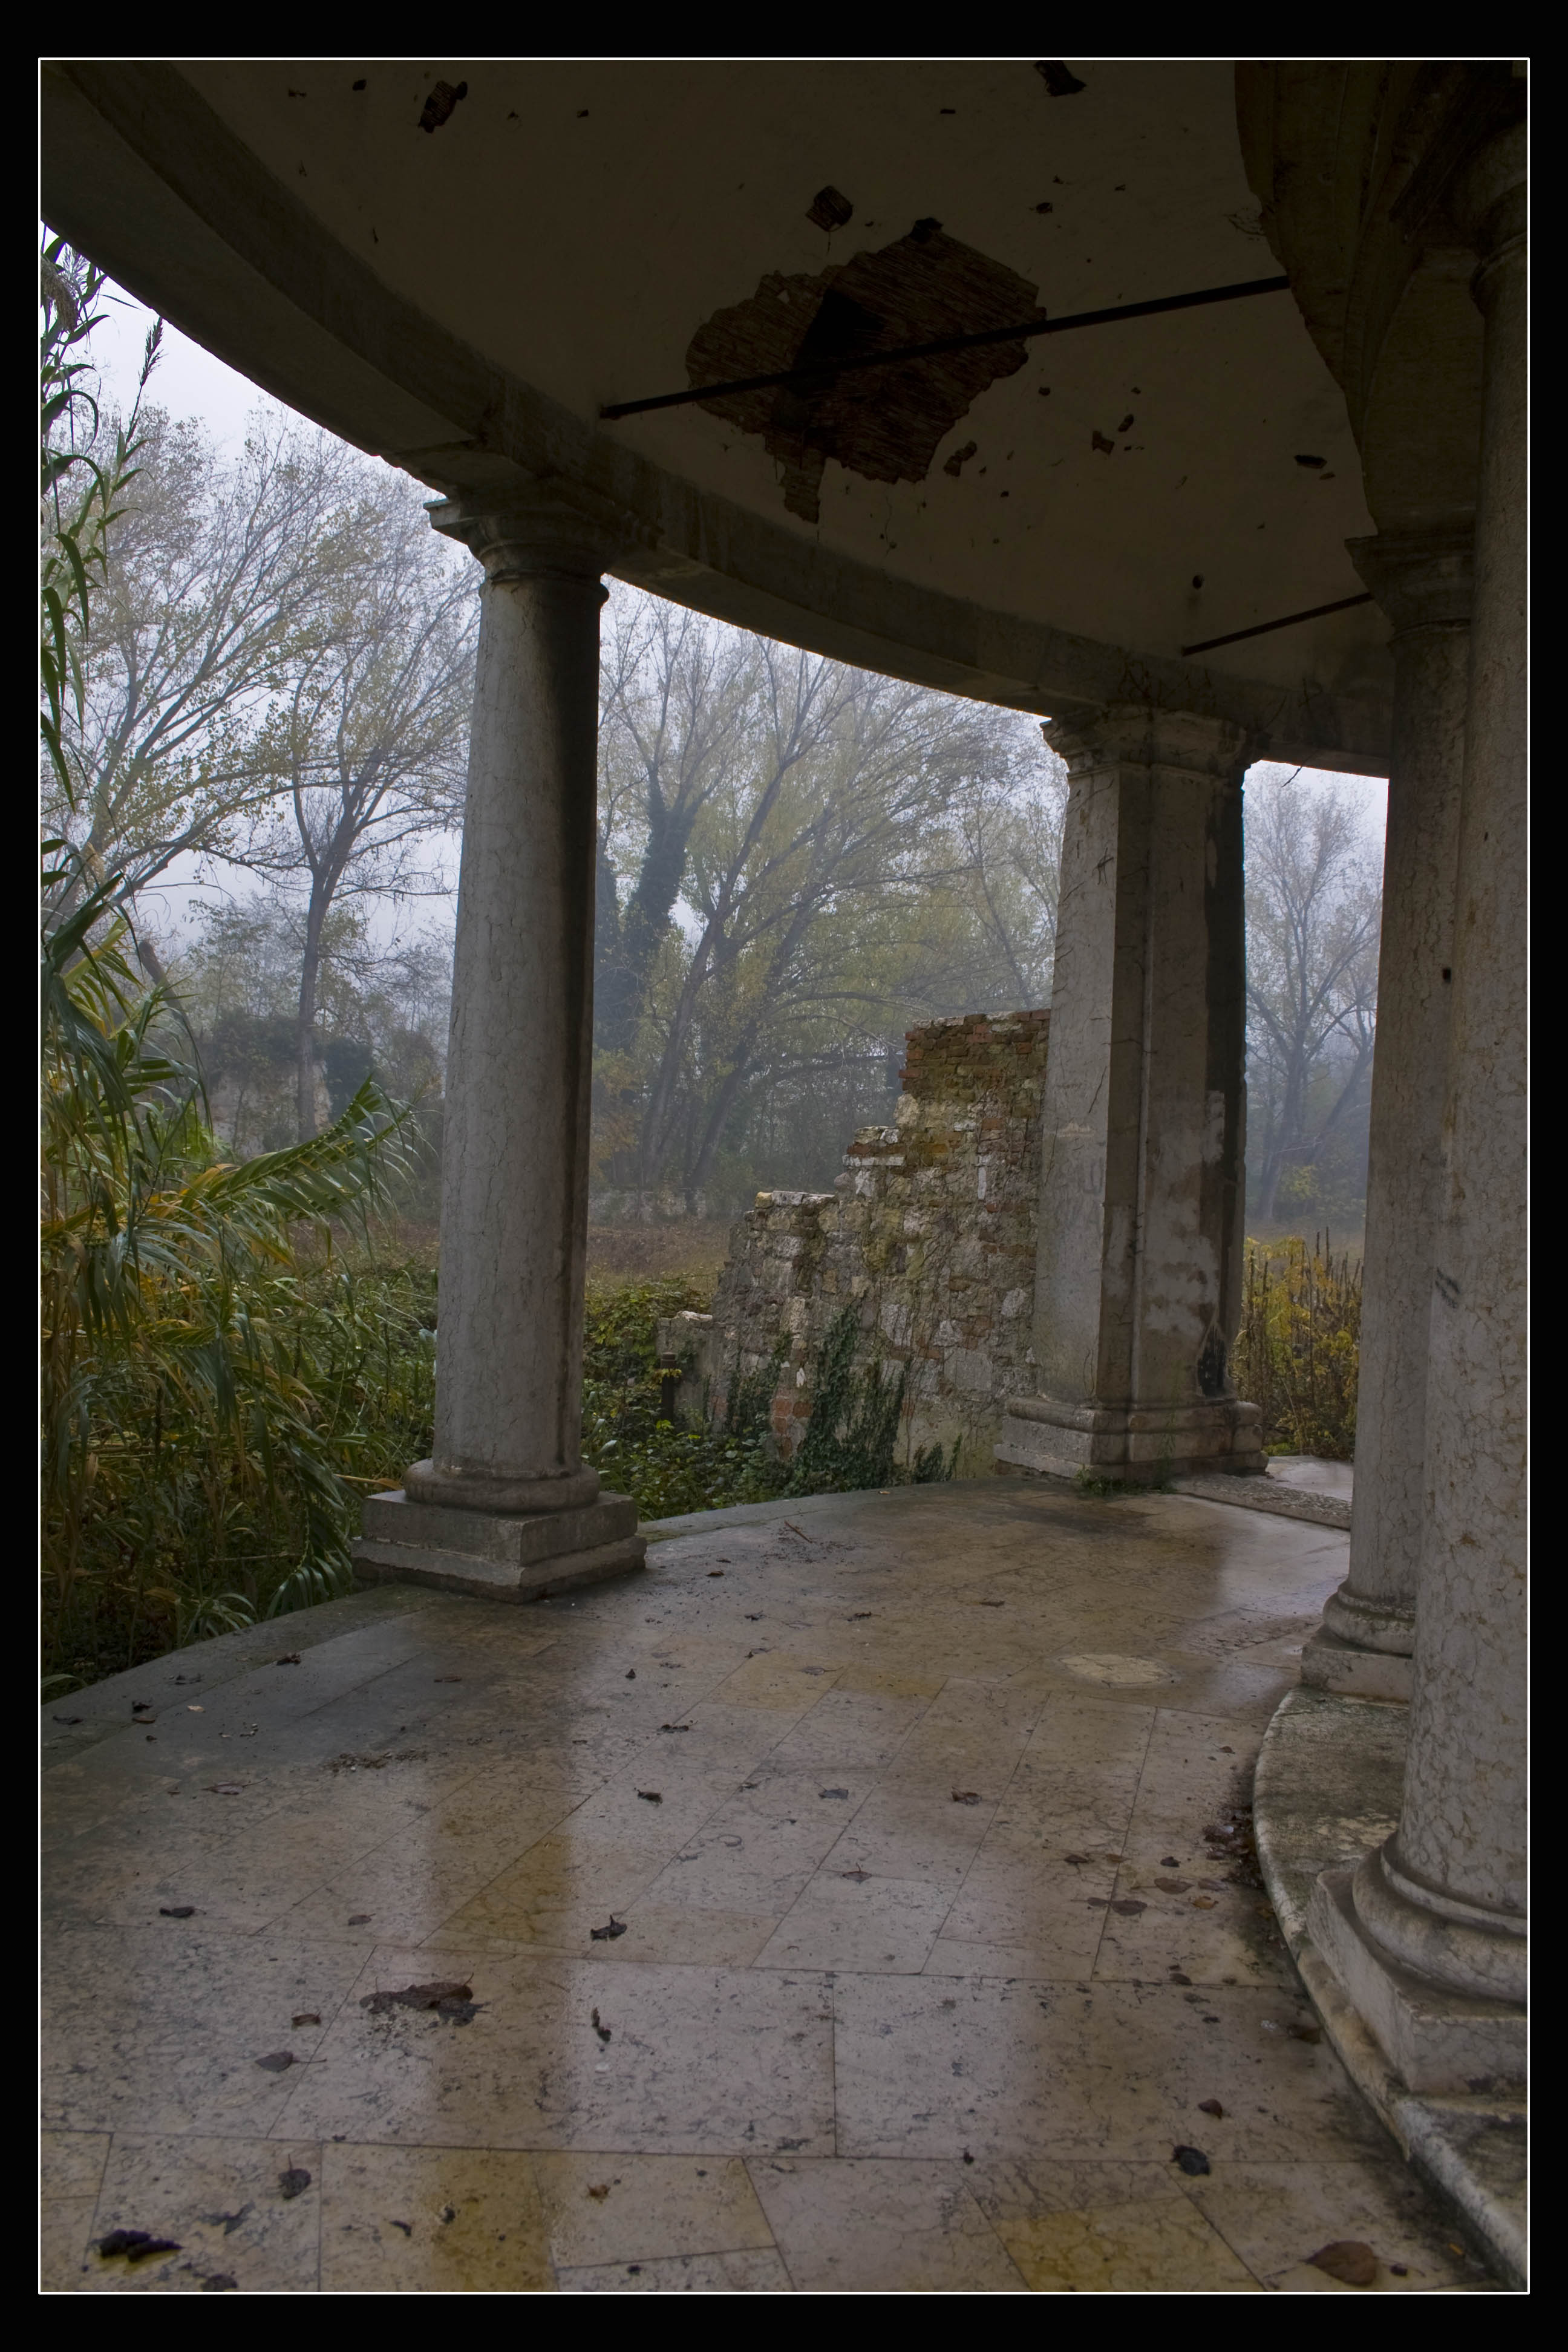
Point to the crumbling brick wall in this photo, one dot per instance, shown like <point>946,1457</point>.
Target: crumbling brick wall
<point>930,1232</point>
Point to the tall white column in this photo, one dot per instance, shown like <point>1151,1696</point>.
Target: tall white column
<point>1421,578</point>
<point>1143,1117</point>
<point>1428,1935</point>
<point>506,1484</point>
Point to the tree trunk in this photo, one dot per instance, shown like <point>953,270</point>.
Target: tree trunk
<point>305,1019</point>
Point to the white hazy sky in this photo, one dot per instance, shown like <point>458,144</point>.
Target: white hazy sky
<point>189,382</point>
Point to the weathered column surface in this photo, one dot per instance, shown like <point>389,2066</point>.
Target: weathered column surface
<point>1427,1935</point>
<point>1143,1122</point>
<point>1421,578</point>
<point>505,1505</point>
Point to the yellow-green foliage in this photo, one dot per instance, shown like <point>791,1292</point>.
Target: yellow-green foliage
<point>1298,1350</point>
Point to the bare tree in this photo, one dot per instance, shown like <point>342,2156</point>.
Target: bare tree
<point>676,698</point>
<point>370,740</point>
<point>1313,911</point>
<point>214,571</point>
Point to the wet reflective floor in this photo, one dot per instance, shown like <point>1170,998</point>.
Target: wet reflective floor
<point>832,1907</point>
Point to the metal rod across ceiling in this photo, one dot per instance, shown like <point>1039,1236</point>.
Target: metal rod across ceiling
<point>1286,620</point>
<point>817,376</point>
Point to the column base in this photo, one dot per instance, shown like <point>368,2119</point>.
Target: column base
<point>1434,2040</point>
<point>497,1555</point>
<point>1330,1663</point>
<point>1132,1444</point>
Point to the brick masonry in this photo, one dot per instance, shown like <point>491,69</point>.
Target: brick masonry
<point>930,1231</point>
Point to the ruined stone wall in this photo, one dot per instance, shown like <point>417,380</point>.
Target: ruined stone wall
<point>930,1234</point>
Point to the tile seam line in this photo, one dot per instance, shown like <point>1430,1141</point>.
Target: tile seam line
<point>1225,2240</point>
<point>877,1784</point>
<point>980,1843</point>
<point>746,2164</point>
<point>1093,1977</point>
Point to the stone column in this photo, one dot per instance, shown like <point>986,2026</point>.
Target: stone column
<point>1143,1121</point>
<point>1428,1935</point>
<point>1421,578</point>
<point>505,1505</point>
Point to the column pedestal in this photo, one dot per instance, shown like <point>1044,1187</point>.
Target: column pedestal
<point>1138,1281</point>
<point>505,1506</point>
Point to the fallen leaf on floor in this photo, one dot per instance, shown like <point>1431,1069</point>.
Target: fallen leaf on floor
<point>1169,1862</point>
<point>1214,1886</point>
<point>1191,2160</point>
<point>1172,1885</point>
<point>1113,1857</point>
<point>277,2062</point>
<point>192,1708</point>
<point>406,2227</point>
<point>1346,2260</point>
<point>967,2157</point>
<point>1202,1903</point>
<point>448,1678</point>
<point>650,1796</point>
<point>833,1792</point>
<point>140,1706</point>
<point>715,1571</point>
<point>1210,2108</point>
<point>855,1617</point>
<point>67,1718</point>
<point>1076,1859</point>
<point>608,1932</point>
<point>176,1910</point>
<point>856,1874</point>
<point>1098,1902</point>
<point>1129,1907</point>
<point>966,1796</point>
<point>604,2032</point>
<point>307,2017</point>
<point>359,1920</point>
<point>757,1619</point>
<point>220,2283</point>
<point>599,2192</point>
<point>143,1720</point>
<point>1305,2033</point>
<point>631,1673</point>
<point>993,1604</point>
<point>289,1658</point>
<point>225,1788</point>
<point>136,2244</point>
<point>447,1996</point>
<point>675,1726</point>
<point>1178,1977</point>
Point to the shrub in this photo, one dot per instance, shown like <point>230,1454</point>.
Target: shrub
<point>1298,1350</point>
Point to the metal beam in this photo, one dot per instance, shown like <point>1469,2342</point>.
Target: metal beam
<point>1313,612</point>
<point>816,376</point>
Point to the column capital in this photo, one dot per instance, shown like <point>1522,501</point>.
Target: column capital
<point>1489,197</point>
<point>1140,735</point>
<point>1423,579</point>
<point>551,528</point>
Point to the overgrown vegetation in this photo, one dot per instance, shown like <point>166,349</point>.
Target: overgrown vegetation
<point>1298,1346</point>
<point>204,1385</point>
<point>852,1437</point>
<point>626,1436</point>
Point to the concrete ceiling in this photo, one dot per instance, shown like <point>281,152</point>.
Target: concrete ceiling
<point>1031,523</point>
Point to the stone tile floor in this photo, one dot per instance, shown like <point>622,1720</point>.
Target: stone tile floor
<point>926,1971</point>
